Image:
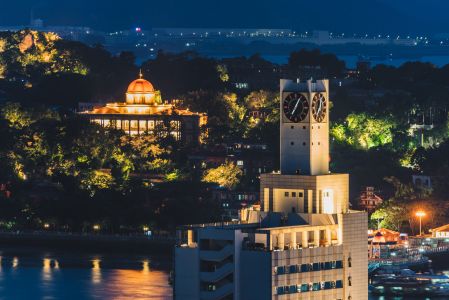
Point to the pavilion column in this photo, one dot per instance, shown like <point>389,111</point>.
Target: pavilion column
<point>270,242</point>
<point>329,236</point>
<point>293,240</point>
<point>189,237</point>
<point>316,237</point>
<point>281,241</point>
<point>340,235</point>
<point>305,239</point>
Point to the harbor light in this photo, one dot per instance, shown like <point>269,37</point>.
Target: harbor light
<point>96,227</point>
<point>46,225</point>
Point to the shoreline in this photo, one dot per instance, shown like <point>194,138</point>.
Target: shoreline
<point>106,243</point>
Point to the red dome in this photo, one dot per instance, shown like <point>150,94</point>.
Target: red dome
<point>140,86</point>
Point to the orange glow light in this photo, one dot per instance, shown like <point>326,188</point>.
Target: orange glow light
<point>420,214</point>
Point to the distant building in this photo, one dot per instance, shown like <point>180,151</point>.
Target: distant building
<point>369,201</point>
<point>303,242</point>
<point>422,181</point>
<point>440,232</point>
<point>143,111</point>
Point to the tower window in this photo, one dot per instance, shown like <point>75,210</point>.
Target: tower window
<point>292,127</point>
<point>304,143</point>
<point>304,127</point>
<point>292,143</point>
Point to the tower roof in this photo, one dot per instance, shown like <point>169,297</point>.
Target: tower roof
<point>140,86</point>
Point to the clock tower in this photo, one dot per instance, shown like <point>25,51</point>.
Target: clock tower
<point>304,127</point>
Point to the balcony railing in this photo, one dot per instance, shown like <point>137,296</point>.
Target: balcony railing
<point>217,255</point>
<point>218,274</point>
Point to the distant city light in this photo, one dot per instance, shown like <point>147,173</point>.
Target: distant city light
<point>138,29</point>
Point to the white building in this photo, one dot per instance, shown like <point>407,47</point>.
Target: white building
<point>305,243</point>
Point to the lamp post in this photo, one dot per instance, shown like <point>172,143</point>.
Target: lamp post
<point>420,214</point>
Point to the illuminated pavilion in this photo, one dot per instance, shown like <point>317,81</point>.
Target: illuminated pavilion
<point>143,111</point>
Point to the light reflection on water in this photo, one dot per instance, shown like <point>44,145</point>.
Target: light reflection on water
<point>77,277</point>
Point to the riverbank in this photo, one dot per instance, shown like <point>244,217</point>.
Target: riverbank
<point>89,242</point>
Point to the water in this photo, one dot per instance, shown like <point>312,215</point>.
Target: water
<point>351,60</point>
<point>38,274</point>
<point>31,274</point>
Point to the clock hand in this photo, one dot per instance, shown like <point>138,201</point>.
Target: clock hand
<point>320,107</point>
<point>296,106</point>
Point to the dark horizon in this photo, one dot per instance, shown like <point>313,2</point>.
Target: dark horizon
<point>352,16</point>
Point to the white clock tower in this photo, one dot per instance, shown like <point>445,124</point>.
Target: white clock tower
<point>304,127</point>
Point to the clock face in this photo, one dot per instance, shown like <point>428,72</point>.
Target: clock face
<point>295,107</point>
<point>319,107</point>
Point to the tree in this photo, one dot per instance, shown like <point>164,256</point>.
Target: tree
<point>17,117</point>
<point>364,131</point>
<point>227,175</point>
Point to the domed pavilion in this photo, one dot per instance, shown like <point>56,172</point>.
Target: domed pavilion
<point>144,111</point>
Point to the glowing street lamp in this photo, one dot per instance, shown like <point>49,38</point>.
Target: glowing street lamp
<point>420,214</point>
<point>96,227</point>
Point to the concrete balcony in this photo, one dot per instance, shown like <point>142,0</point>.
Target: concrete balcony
<point>219,293</point>
<point>219,255</point>
<point>218,274</point>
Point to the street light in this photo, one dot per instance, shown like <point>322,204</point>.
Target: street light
<point>420,214</point>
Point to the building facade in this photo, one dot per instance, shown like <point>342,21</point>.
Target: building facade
<point>368,200</point>
<point>144,112</point>
<point>304,242</point>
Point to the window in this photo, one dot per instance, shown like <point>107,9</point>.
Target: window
<point>316,286</point>
<point>349,280</point>
<point>349,262</point>
<point>304,287</point>
<point>293,194</point>
<point>339,284</point>
<point>300,195</point>
<point>316,267</point>
<point>293,269</point>
<point>304,268</point>
<point>292,143</point>
<point>280,290</point>
<point>279,270</point>
<point>286,194</point>
<point>339,264</point>
<point>292,289</point>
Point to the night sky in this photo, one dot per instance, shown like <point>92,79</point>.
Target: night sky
<point>371,16</point>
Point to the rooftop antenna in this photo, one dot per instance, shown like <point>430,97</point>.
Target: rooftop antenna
<point>140,74</point>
